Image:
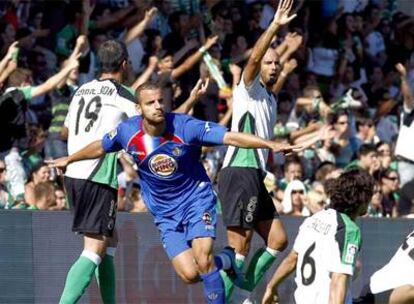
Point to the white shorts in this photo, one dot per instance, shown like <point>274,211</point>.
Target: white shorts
<point>398,272</point>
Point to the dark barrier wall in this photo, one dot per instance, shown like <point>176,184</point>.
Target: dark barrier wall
<point>37,249</point>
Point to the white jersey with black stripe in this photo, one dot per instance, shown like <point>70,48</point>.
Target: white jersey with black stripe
<point>96,108</point>
<point>254,112</point>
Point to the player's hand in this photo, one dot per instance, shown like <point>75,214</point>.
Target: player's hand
<point>282,14</point>
<point>270,297</point>
<point>401,69</point>
<point>286,148</point>
<point>199,89</point>
<point>58,163</point>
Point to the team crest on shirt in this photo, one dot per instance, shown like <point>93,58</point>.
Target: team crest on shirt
<point>351,252</point>
<point>162,165</point>
<point>177,151</point>
<point>113,133</point>
<point>207,219</point>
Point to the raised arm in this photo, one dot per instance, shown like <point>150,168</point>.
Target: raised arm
<point>139,28</point>
<point>91,151</point>
<point>285,268</point>
<point>11,52</point>
<point>405,87</point>
<point>288,68</point>
<point>293,41</point>
<point>194,58</point>
<point>337,288</point>
<point>54,81</point>
<point>281,17</point>
<point>145,76</point>
<point>198,91</point>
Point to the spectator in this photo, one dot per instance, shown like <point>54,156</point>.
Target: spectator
<point>5,197</point>
<point>389,186</point>
<point>60,202</point>
<point>44,194</point>
<point>367,159</point>
<point>39,174</point>
<point>375,206</point>
<point>294,199</point>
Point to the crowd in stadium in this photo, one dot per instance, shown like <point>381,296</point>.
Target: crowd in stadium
<point>350,66</point>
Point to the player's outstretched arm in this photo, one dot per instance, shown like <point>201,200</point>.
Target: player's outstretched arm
<point>281,18</point>
<point>244,140</point>
<point>91,151</point>
<point>338,287</point>
<point>285,268</point>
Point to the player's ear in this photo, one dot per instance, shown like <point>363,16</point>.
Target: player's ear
<point>139,110</point>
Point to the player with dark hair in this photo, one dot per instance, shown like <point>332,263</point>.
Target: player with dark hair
<point>325,249</point>
<point>174,184</point>
<point>96,108</point>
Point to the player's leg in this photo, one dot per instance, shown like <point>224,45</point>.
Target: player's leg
<point>271,230</point>
<point>82,271</point>
<point>184,265</point>
<point>105,273</point>
<point>402,295</point>
<point>238,192</point>
<point>274,235</point>
<point>209,273</point>
<point>94,208</point>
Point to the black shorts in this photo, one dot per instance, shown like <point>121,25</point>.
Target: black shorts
<point>244,198</point>
<point>93,206</point>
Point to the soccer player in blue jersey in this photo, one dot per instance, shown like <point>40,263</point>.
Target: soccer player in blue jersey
<point>174,184</point>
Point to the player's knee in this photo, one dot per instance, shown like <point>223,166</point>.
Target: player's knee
<point>205,263</point>
<point>280,243</point>
<point>189,276</point>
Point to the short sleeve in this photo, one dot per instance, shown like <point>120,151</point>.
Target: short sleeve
<point>111,142</point>
<point>253,86</point>
<point>203,132</point>
<point>344,249</point>
<point>300,244</point>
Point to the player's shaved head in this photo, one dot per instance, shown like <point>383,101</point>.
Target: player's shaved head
<point>146,86</point>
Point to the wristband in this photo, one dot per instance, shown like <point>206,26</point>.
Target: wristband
<point>202,50</point>
<point>283,74</point>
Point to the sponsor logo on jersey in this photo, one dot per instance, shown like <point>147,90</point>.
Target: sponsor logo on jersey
<point>162,165</point>
<point>351,252</point>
